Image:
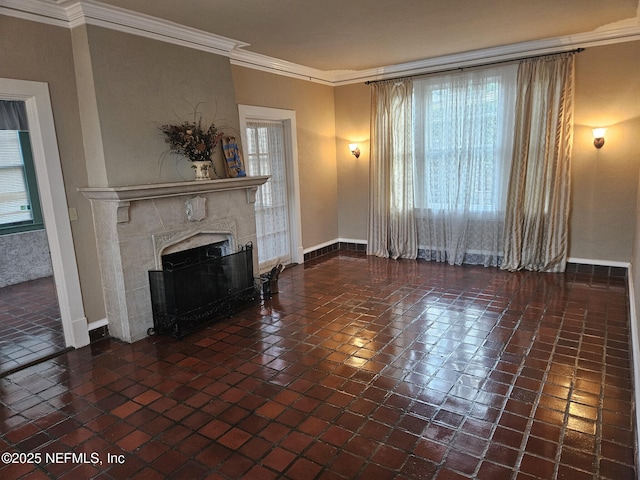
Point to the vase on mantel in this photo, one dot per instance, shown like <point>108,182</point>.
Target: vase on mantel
<point>202,169</point>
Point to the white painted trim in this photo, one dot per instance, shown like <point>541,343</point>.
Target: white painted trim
<point>107,16</point>
<point>635,360</point>
<point>352,240</point>
<point>53,201</point>
<point>103,322</point>
<point>583,261</point>
<point>264,63</point>
<point>333,242</point>
<point>496,54</point>
<point>599,263</point>
<point>36,11</point>
<point>95,13</point>
<point>288,117</point>
<point>321,245</point>
<point>34,17</point>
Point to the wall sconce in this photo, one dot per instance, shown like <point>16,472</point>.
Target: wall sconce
<point>354,149</point>
<point>598,137</point>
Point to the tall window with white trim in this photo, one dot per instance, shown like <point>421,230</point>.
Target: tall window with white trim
<point>265,155</point>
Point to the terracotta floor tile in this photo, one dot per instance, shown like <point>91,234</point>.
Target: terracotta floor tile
<point>234,438</point>
<point>359,368</point>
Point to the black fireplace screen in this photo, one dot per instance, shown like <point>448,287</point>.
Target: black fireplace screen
<point>199,286</point>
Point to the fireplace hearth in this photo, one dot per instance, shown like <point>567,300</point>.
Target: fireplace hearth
<point>198,286</point>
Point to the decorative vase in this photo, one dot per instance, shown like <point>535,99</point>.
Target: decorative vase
<point>202,169</point>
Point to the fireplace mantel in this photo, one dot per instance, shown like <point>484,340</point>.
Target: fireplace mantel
<point>125,194</point>
<point>159,190</point>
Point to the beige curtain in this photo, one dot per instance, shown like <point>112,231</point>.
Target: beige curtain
<point>392,225</point>
<point>536,225</point>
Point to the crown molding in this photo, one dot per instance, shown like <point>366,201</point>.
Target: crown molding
<point>95,13</point>
<point>491,55</point>
<point>268,64</point>
<point>36,11</point>
<point>70,14</point>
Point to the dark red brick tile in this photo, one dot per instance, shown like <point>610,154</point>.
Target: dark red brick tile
<point>297,442</point>
<point>279,459</point>
<point>256,447</point>
<point>389,457</point>
<point>359,368</point>
<point>303,469</point>
<point>234,438</point>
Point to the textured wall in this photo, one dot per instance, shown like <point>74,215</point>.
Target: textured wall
<point>605,181</point>
<point>352,126</point>
<point>24,256</point>
<point>140,84</point>
<point>315,118</point>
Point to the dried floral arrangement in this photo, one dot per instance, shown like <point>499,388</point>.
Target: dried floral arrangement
<point>192,140</point>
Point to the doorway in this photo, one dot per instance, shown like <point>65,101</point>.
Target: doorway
<point>30,325</point>
<point>269,140</point>
<point>55,216</point>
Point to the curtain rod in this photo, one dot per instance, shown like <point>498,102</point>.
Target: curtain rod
<point>454,69</point>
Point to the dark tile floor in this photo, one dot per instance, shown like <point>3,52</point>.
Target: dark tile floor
<point>30,325</point>
<point>359,368</point>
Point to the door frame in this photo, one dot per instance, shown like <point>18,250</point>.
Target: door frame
<point>288,118</point>
<point>55,213</point>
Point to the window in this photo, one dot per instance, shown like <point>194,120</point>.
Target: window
<point>266,154</point>
<point>463,133</point>
<point>19,203</point>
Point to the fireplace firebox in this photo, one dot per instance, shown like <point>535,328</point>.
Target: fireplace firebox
<point>199,285</point>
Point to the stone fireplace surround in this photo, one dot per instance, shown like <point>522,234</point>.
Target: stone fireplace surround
<point>136,225</point>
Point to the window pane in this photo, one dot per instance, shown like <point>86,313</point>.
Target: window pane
<point>15,206</point>
<point>462,134</point>
<point>265,155</point>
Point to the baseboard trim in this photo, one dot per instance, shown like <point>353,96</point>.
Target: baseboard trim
<point>352,240</point>
<point>338,244</point>
<point>335,241</point>
<point>97,324</point>
<point>335,244</point>
<point>320,246</point>
<point>635,360</point>
<point>599,263</point>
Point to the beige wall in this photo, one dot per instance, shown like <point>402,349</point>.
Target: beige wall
<point>315,118</point>
<point>352,126</point>
<point>605,181</point>
<point>42,53</point>
<point>140,84</point>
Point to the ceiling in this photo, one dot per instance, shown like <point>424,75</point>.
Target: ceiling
<point>352,35</point>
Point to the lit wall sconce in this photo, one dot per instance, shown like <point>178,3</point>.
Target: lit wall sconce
<point>354,149</point>
<point>598,137</point>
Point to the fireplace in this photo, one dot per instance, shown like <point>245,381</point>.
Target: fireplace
<point>136,226</point>
<point>199,285</point>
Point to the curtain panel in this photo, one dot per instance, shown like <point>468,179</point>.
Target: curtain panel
<point>392,226</point>
<point>13,115</point>
<point>460,151</point>
<point>537,217</point>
